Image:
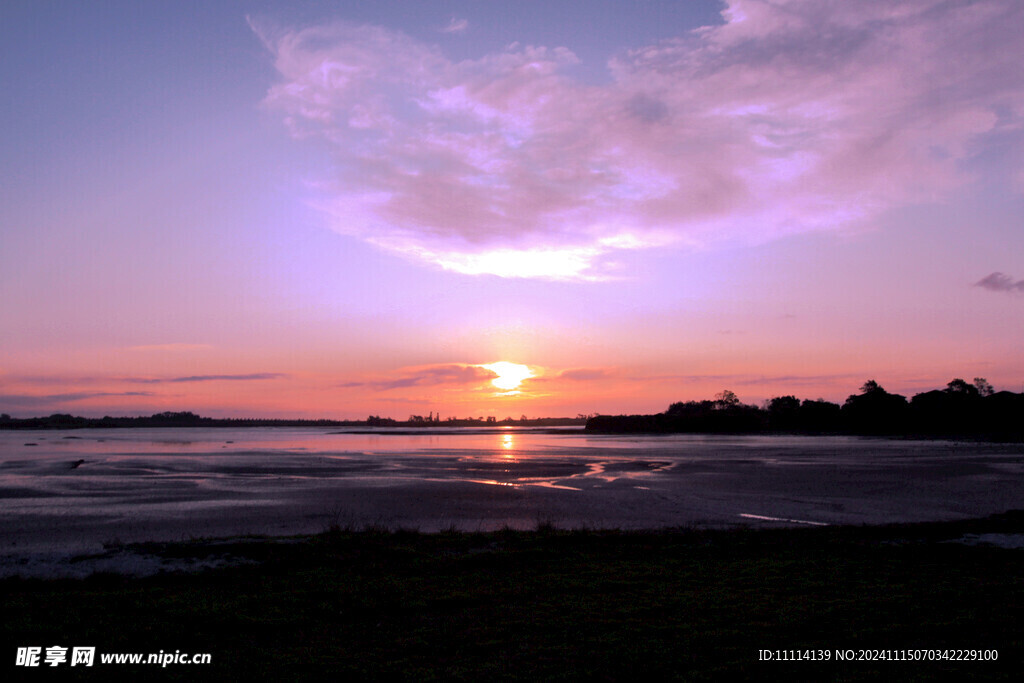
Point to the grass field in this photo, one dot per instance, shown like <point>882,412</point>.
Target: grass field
<point>546,605</point>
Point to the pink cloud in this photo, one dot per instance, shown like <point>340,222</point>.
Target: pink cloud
<point>430,375</point>
<point>792,116</point>
<point>1000,282</point>
<point>258,376</point>
<point>584,374</point>
<point>171,347</point>
<point>456,25</point>
<point>53,401</point>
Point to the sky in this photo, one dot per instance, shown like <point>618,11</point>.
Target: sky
<point>338,209</point>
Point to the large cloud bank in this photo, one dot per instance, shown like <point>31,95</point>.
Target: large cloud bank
<point>792,116</point>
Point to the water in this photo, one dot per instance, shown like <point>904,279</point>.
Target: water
<point>172,484</point>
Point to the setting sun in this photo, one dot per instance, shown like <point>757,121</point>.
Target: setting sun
<point>510,375</point>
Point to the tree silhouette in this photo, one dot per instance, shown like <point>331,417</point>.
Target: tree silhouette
<point>870,387</point>
<point>962,388</point>
<point>783,412</point>
<point>983,387</point>
<point>819,415</point>
<point>874,410</point>
<point>726,399</point>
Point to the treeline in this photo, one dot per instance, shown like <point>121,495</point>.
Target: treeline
<point>167,419</point>
<point>961,409</point>
<point>189,419</point>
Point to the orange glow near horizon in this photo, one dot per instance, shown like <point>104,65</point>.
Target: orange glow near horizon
<point>510,375</point>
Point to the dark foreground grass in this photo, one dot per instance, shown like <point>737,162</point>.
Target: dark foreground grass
<point>547,605</point>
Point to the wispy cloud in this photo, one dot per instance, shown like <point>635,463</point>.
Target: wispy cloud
<point>73,380</point>
<point>456,25</point>
<point>257,376</point>
<point>584,374</point>
<point>56,380</point>
<point>1000,282</point>
<point>170,347</point>
<point>793,116</point>
<point>746,379</point>
<point>35,401</point>
<point>449,373</point>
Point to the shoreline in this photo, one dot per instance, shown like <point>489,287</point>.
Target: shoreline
<point>143,559</point>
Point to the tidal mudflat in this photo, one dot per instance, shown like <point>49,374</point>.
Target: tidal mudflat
<point>67,493</point>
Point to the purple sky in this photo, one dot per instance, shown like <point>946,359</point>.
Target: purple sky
<point>343,208</point>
